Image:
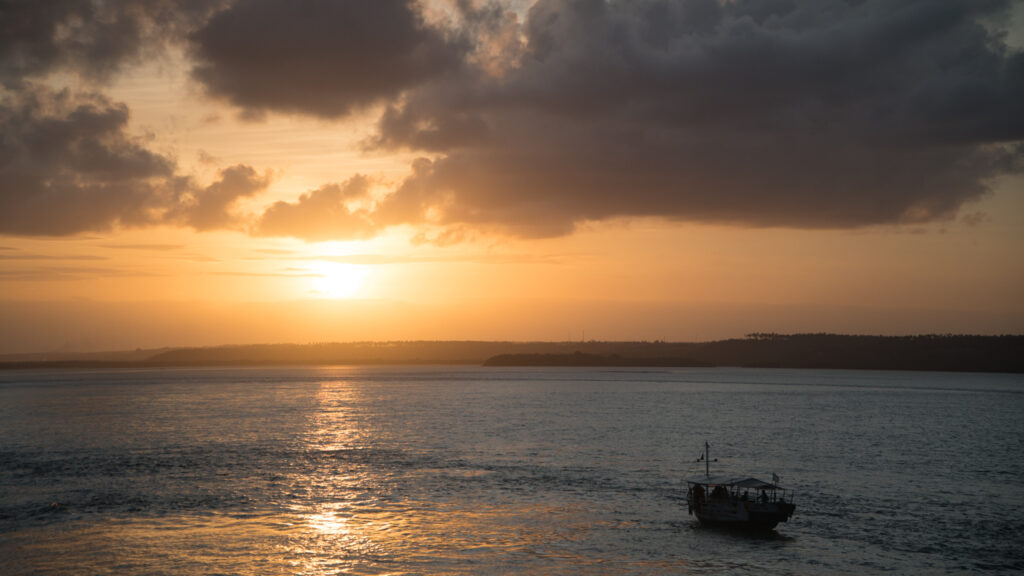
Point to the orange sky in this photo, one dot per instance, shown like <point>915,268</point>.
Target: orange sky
<point>556,225</point>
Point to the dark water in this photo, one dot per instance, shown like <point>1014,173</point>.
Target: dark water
<point>493,471</point>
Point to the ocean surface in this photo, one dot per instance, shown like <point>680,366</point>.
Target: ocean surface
<point>467,470</point>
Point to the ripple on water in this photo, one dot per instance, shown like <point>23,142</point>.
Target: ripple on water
<point>440,470</point>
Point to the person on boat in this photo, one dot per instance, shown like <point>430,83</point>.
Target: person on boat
<point>763,498</point>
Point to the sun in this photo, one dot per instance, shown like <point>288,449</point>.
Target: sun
<point>334,280</point>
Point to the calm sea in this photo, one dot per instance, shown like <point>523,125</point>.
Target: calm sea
<point>459,470</point>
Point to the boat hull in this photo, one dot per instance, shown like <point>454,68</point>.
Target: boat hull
<point>751,520</point>
<point>740,513</point>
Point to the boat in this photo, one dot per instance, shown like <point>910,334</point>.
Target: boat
<point>737,502</point>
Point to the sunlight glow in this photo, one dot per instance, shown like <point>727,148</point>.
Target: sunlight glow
<point>335,280</point>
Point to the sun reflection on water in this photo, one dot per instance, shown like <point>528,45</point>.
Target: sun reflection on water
<point>340,532</point>
<point>370,506</point>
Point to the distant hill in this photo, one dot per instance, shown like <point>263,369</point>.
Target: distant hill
<point>137,355</point>
<point>580,359</point>
<point>928,352</point>
<point>953,353</point>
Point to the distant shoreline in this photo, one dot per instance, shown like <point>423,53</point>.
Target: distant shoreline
<point>948,353</point>
<point>580,359</point>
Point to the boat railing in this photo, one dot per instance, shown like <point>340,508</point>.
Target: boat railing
<point>710,492</point>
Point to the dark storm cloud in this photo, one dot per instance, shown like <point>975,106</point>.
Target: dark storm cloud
<point>318,57</point>
<point>809,114</point>
<point>801,113</point>
<point>804,113</point>
<point>68,165</point>
<point>95,38</point>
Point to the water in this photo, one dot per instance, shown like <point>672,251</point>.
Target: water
<point>457,470</point>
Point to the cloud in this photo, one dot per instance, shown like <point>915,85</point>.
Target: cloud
<point>289,273</point>
<point>799,113</point>
<point>820,113</point>
<point>145,247</point>
<point>31,256</point>
<point>327,213</point>
<point>318,57</point>
<point>67,165</point>
<point>802,113</point>
<point>62,273</point>
<point>479,258</point>
<point>274,251</point>
<point>94,38</point>
<point>210,208</point>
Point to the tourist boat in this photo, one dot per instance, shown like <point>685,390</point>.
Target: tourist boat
<point>739,502</point>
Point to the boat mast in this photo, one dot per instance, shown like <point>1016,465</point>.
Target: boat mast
<point>707,459</point>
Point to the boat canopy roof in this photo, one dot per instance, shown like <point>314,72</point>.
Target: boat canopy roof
<point>733,482</point>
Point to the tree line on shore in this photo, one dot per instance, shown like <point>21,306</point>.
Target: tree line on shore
<point>759,350</point>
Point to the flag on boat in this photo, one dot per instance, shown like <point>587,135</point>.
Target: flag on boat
<point>775,478</point>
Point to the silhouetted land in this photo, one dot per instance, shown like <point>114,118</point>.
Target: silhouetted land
<point>931,352</point>
<point>581,359</point>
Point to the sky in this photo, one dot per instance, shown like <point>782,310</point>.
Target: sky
<point>184,173</point>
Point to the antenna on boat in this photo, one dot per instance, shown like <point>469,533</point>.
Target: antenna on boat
<point>706,460</point>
